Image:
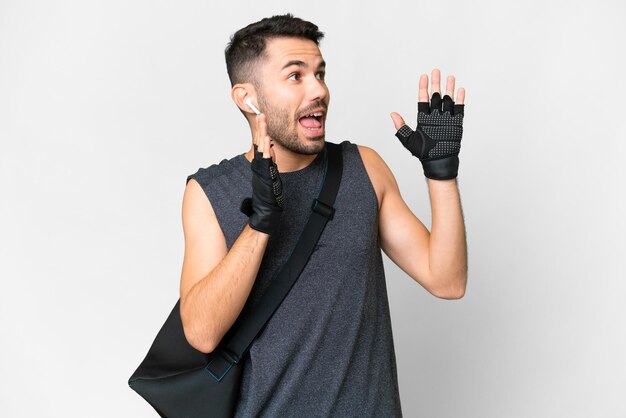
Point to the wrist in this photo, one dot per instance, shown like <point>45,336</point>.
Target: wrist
<point>266,221</point>
<point>255,230</point>
<point>451,184</point>
<point>446,168</point>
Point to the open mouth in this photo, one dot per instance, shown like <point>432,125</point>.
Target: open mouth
<point>312,122</point>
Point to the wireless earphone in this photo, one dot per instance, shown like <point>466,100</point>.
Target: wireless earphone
<point>248,101</point>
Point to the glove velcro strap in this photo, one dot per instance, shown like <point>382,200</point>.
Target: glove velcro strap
<point>442,168</point>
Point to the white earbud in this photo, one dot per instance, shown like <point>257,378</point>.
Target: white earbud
<point>248,101</point>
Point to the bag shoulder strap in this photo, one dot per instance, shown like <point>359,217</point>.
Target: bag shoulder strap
<point>250,324</point>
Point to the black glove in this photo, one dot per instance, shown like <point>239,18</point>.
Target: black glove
<point>437,139</point>
<point>267,202</point>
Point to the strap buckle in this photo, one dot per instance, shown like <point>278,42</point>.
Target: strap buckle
<point>221,363</point>
<point>323,209</point>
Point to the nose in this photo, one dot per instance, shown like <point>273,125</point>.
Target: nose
<point>317,91</point>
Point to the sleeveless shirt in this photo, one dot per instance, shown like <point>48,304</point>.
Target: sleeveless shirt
<point>328,349</point>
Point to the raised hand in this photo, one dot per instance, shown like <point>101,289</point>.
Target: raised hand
<point>266,204</point>
<point>436,140</point>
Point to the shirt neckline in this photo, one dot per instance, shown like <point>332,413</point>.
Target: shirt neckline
<point>317,161</point>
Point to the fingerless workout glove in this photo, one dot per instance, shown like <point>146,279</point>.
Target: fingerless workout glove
<point>267,202</point>
<point>436,140</point>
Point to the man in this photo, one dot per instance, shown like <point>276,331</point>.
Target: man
<point>328,349</point>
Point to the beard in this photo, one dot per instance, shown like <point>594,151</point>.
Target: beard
<point>284,130</point>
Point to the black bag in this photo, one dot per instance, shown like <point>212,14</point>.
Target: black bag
<point>182,382</point>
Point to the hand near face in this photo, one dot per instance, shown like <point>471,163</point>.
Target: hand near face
<point>265,206</point>
<point>261,139</point>
<point>265,158</point>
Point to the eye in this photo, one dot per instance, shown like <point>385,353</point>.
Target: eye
<point>320,75</point>
<point>294,76</point>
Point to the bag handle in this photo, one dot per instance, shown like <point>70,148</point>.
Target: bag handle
<point>230,352</point>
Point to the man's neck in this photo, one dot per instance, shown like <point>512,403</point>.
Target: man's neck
<point>286,160</point>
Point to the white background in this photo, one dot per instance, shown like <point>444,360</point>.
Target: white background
<point>107,106</point>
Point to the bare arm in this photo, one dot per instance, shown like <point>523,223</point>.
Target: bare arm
<point>437,260</point>
<point>448,248</point>
<point>215,283</point>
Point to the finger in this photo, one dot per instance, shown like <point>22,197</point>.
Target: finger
<point>460,96</point>
<point>450,86</point>
<point>459,107</point>
<point>423,103</point>
<point>435,102</point>
<point>423,89</point>
<point>448,104</point>
<point>261,146</point>
<point>262,132</point>
<point>256,133</point>
<point>398,122</point>
<point>435,81</point>
<point>272,153</point>
<point>266,147</point>
<point>255,136</point>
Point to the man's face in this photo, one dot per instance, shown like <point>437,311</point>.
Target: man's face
<point>293,95</point>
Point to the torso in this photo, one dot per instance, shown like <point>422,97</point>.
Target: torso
<point>328,350</point>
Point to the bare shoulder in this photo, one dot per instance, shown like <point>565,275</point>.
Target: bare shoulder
<point>378,171</point>
<point>196,205</point>
<point>205,243</point>
<point>199,218</point>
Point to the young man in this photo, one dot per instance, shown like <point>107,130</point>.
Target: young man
<point>328,349</point>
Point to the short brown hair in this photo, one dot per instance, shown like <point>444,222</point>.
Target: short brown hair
<point>248,44</point>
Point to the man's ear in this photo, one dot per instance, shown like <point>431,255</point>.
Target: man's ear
<point>240,92</point>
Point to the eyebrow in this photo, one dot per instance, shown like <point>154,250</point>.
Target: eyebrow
<point>302,64</point>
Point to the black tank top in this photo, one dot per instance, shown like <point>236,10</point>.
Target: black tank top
<point>328,350</point>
